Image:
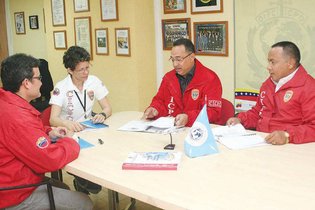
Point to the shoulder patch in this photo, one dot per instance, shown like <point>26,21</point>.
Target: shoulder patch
<point>42,142</point>
<point>56,92</point>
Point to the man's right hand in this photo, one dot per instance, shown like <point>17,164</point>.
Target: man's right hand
<point>150,113</point>
<point>233,121</point>
<point>73,126</point>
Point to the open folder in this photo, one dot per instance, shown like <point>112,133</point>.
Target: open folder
<point>236,137</point>
<point>162,125</point>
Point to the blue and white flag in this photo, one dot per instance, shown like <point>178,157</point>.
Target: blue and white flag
<point>200,140</point>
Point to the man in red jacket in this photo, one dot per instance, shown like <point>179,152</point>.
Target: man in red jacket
<point>26,152</point>
<point>285,107</point>
<point>186,89</point>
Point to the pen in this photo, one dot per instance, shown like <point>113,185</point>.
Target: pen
<point>100,141</point>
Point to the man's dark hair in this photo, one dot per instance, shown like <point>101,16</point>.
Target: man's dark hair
<point>75,55</point>
<point>189,46</point>
<point>16,68</point>
<point>290,49</point>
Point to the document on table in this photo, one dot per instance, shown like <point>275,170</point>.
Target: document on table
<point>162,125</point>
<point>236,137</point>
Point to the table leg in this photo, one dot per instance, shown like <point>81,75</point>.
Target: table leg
<point>112,205</point>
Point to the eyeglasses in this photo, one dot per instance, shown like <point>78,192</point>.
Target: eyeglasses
<point>40,77</point>
<point>178,59</point>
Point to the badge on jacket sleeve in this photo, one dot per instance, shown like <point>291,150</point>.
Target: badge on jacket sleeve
<point>288,95</point>
<point>42,142</point>
<point>195,94</point>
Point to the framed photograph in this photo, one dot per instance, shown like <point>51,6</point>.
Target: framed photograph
<point>58,12</point>
<point>33,20</point>
<point>122,39</point>
<point>206,6</point>
<point>60,40</point>
<point>173,29</point>
<point>211,38</point>
<point>19,23</point>
<point>174,6</point>
<point>81,5</point>
<point>109,10</point>
<point>82,30</point>
<point>101,39</point>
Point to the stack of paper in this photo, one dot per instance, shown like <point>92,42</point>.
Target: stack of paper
<point>236,137</point>
<point>152,161</point>
<point>162,125</point>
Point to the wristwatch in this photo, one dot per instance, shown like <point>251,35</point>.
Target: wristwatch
<point>287,136</point>
<point>104,114</point>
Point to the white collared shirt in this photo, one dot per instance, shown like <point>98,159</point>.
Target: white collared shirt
<point>284,80</point>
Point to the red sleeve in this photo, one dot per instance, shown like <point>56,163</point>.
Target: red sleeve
<point>158,100</point>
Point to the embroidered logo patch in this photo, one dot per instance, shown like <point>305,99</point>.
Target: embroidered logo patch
<point>91,94</point>
<point>56,92</point>
<point>214,103</point>
<point>288,95</point>
<point>195,94</point>
<point>42,142</point>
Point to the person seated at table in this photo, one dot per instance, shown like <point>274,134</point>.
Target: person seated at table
<point>26,150</point>
<point>73,98</point>
<point>285,107</point>
<point>186,89</point>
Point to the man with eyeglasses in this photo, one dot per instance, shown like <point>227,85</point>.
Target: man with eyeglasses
<point>186,89</point>
<point>26,150</point>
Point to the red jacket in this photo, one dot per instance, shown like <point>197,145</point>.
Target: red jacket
<point>204,86</point>
<point>26,152</point>
<point>291,108</point>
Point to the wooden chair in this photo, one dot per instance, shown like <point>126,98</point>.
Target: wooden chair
<point>49,191</point>
<point>227,111</point>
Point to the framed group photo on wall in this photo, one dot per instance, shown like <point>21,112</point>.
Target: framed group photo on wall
<point>60,40</point>
<point>81,5</point>
<point>174,6</point>
<point>173,29</point>
<point>109,10</point>
<point>33,20</point>
<point>58,12</point>
<point>82,32</point>
<point>19,22</point>
<point>101,39</point>
<point>206,6</point>
<point>122,39</point>
<point>211,38</point>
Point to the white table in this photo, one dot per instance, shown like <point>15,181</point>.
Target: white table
<point>267,177</point>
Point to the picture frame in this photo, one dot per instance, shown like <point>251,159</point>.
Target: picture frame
<point>173,29</point>
<point>19,23</point>
<point>58,12</point>
<point>81,5</point>
<point>174,6</point>
<point>201,6</point>
<point>101,41</point>
<point>122,41</point>
<point>82,30</point>
<point>60,40</point>
<point>211,38</point>
<point>33,21</point>
<point>109,10</point>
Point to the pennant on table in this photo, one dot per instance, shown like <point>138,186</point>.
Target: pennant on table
<point>200,140</point>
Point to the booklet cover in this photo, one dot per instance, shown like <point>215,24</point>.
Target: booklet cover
<point>152,161</point>
<point>90,124</point>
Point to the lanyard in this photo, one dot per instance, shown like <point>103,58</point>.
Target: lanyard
<point>83,105</point>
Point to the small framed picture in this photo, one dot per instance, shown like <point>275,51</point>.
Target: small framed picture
<point>101,39</point>
<point>19,23</point>
<point>82,30</point>
<point>109,10</point>
<point>209,6</point>
<point>174,6</point>
<point>33,22</point>
<point>173,29</point>
<point>60,40</point>
<point>122,39</point>
<point>211,38</point>
<point>81,5</point>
